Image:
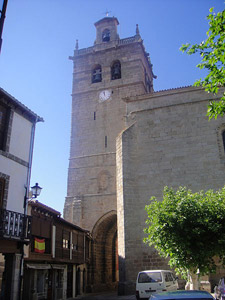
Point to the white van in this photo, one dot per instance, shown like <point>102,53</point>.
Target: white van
<point>151,281</point>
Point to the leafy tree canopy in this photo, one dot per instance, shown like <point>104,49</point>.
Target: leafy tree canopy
<point>188,228</point>
<point>212,52</point>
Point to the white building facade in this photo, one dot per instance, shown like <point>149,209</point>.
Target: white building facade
<point>17,129</point>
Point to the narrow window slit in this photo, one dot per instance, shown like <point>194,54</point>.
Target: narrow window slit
<point>223,136</point>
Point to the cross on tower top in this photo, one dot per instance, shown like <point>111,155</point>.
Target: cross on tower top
<point>107,12</point>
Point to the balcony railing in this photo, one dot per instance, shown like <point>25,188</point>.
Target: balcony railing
<point>14,225</point>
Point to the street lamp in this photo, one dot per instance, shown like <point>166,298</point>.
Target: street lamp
<point>36,190</point>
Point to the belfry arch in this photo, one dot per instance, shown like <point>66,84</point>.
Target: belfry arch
<point>105,252</point>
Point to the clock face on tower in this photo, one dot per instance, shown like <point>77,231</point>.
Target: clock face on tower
<point>104,95</point>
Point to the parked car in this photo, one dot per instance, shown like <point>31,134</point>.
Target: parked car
<point>151,281</point>
<point>182,295</point>
<point>219,289</point>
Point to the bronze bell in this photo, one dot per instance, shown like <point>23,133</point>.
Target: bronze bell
<point>116,71</point>
<point>106,37</point>
<point>97,77</point>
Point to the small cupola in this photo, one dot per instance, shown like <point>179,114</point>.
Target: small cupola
<point>106,30</point>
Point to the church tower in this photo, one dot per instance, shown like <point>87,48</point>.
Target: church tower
<point>104,74</point>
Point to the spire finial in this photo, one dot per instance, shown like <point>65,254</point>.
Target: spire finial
<point>107,12</point>
<point>77,46</point>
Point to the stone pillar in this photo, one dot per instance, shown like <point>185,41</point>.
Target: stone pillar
<point>2,267</point>
<point>11,277</point>
<point>64,282</point>
<point>81,281</point>
<point>16,276</point>
<point>74,281</point>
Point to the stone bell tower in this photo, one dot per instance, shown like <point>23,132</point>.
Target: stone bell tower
<point>103,75</point>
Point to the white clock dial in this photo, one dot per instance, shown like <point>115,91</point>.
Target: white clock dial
<point>104,95</point>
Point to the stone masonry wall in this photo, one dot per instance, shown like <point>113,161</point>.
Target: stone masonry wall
<point>91,189</point>
<point>171,142</point>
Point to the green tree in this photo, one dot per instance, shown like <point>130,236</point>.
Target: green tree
<point>188,229</point>
<point>212,52</point>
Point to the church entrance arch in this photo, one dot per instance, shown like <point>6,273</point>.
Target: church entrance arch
<point>105,254</point>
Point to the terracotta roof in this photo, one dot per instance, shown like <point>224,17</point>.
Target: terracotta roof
<point>44,208</point>
<point>71,224</point>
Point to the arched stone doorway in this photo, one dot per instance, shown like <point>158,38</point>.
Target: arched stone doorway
<point>105,253</point>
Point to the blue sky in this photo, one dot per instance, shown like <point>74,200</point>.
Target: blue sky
<point>40,35</point>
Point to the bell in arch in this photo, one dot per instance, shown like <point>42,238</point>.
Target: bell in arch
<point>97,75</point>
<point>106,35</point>
<point>116,71</point>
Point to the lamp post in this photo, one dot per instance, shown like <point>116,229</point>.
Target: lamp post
<point>36,190</point>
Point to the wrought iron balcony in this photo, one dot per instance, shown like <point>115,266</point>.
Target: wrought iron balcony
<point>14,225</point>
